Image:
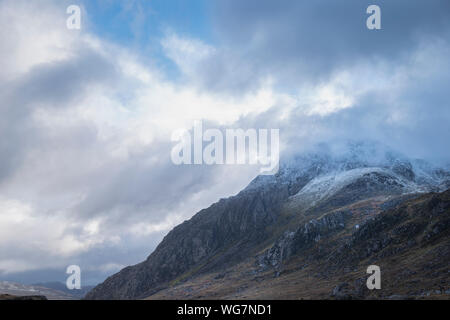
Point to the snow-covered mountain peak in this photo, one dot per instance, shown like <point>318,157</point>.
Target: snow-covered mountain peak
<point>324,165</point>
<point>370,179</point>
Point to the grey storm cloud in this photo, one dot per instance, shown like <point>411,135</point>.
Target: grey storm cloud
<point>49,85</point>
<point>304,41</point>
<point>132,184</point>
<point>301,43</point>
<point>135,185</point>
<point>414,120</point>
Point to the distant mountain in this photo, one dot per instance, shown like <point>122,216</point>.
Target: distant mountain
<point>19,290</point>
<point>50,290</point>
<point>323,218</point>
<point>59,286</point>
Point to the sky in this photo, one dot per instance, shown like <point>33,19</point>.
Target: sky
<point>86,116</point>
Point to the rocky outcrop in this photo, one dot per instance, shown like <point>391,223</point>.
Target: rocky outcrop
<point>397,230</point>
<point>309,233</point>
<point>280,251</point>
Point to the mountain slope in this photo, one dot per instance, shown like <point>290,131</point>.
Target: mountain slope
<point>327,257</point>
<point>11,290</point>
<point>321,193</point>
<point>61,287</point>
<point>217,235</point>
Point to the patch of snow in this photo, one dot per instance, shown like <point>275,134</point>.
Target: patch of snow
<point>325,186</point>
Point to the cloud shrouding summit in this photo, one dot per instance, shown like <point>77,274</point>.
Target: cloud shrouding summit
<point>85,170</point>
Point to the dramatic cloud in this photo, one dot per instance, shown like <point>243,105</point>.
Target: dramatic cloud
<point>85,147</point>
<point>85,170</point>
<point>304,41</point>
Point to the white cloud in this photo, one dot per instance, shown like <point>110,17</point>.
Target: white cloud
<point>86,164</point>
<point>187,53</point>
<point>31,31</point>
<point>86,178</point>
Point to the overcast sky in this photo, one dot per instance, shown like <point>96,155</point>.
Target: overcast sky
<point>86,116</point>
